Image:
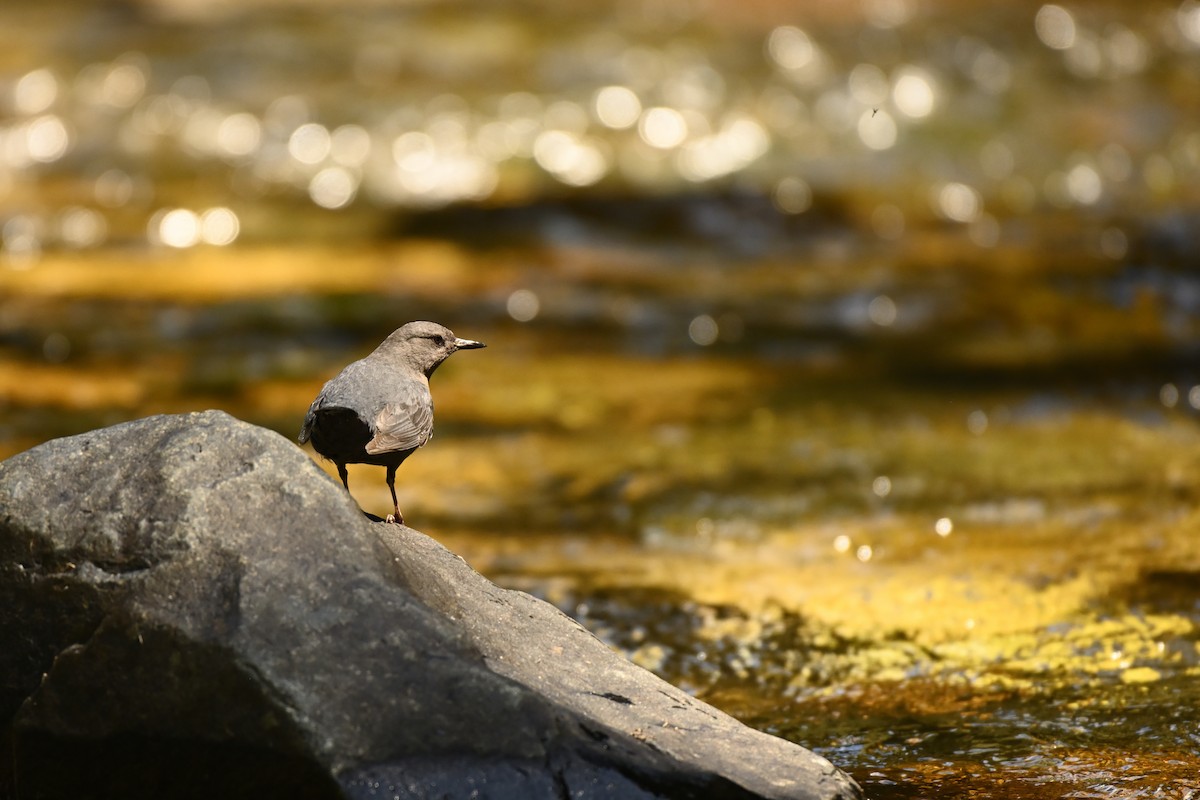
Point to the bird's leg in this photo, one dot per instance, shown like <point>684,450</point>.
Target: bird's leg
<point>391,482</point>
<point>344,476</point>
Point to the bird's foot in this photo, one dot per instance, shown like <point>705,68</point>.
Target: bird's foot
<point>396,519</point>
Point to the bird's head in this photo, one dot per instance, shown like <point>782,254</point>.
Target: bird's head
<point>425,345</point>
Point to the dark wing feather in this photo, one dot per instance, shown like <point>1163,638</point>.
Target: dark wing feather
<point>404,425</point>
<point>338,433</point>
<point>310,419</point>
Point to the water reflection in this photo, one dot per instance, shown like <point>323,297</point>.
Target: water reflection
<point>705,103</point>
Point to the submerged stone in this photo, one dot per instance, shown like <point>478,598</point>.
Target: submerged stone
<point>190,607</point>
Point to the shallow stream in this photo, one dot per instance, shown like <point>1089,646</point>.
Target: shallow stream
<point>857,390</point>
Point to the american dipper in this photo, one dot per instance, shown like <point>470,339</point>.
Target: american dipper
<point>378,410</point>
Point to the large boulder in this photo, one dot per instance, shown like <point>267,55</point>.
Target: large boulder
<point>189,607</point>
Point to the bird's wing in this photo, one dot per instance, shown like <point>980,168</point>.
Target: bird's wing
<point>320,413</point>
<point>310,418</point>
<point>404,425</point>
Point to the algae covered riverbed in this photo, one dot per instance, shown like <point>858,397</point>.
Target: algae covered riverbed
<point>842,359</point>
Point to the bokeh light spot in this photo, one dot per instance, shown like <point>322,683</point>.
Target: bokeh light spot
<point>792,195</point>
<point>571,160</point>
<point>523,305</point>
<point>703,330</point>
<point>124,84</point>
<point>177,228</point>
<point>663,127</point>
<point>310,143</point>
<point>886,14</point>
<point>239,135</point>
<point>350,145</point>
<point>984,231</point>
<point>333,187</point>
<point>882,310</point>
<point>35,92</point>
<point>1168,395</point>
<point>413,151</point>
<point>790,47</point>
<point>219,226</point>
<point>1187,17</point>
<point>113,188</point>
<point>22,238</point>
<point>1084,185</point>
<point>1055,26</point>
<point>958,202</point>
<point>877,129</point>
<point>82,227</point>
<point>868,84</point>
<point>47,139</point>
<point>913,92</point>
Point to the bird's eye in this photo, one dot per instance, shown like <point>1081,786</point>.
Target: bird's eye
<point>439,340</point>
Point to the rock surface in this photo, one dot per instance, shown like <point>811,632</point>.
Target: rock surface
<point>189,607</point>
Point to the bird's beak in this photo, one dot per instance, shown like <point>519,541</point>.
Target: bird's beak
<point>468,344</point>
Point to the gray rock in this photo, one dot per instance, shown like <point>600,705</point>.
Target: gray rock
<point>189,607</point>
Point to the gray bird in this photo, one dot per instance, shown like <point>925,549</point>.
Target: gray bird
<point>378,410</point>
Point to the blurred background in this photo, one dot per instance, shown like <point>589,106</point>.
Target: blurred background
<point>844,357</point>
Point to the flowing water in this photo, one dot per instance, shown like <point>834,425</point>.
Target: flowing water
<point>842,358</point>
